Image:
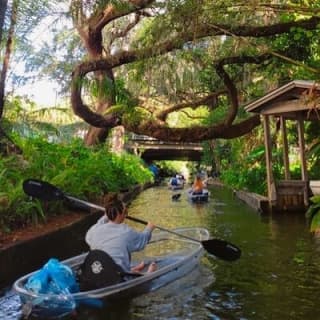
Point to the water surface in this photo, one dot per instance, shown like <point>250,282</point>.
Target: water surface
<point>277,277</point>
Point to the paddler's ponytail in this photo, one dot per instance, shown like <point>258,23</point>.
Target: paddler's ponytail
<point>113,206</point>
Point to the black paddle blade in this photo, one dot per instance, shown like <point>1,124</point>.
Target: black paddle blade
<point>176,197</point>
<point>222,249</point>
<point>42,190</point>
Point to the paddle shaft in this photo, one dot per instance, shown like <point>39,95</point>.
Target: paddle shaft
<point>94,206</point>
<point>163,229</point>
<point>48,192</point>
<point>217,247</point>
<point>130,218</point>
<point>228,251</point>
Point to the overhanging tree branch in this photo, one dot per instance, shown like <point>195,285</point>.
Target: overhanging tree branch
<point>175,41</point>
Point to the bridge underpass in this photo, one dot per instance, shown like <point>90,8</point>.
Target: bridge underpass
<point>171,154</point>
<point>152,149</point>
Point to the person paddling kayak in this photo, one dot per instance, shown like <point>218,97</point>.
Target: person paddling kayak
<point>198,185</point>
<point>111,235</point>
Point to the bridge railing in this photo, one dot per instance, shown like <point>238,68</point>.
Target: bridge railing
<point>150,140</point>
<point>140,137</point>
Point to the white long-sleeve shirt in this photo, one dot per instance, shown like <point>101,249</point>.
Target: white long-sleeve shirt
<point>118,240</point>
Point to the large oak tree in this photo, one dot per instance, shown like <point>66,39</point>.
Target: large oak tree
<point>232,43</point>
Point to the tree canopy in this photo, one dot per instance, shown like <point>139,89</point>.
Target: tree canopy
<point>141,62</point>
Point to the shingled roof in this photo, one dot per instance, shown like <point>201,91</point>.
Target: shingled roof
<point>298,98</point>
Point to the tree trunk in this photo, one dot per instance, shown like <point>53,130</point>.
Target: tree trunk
<point>117,139</point>
<point>5,65</point>
<point>3,9</point>
<point>98,135</point>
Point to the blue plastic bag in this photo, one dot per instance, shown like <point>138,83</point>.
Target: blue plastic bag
<point>55,277</point>
<point>55,283</point>
<point>61,276</point>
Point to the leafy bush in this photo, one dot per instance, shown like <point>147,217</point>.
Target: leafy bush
<point>249,173</point>
<point>313,213</point>
<point>84,172</point>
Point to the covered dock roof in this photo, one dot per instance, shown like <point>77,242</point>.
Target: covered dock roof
<point>296,99</point>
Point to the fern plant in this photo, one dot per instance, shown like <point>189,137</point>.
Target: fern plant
<point>313,213</point>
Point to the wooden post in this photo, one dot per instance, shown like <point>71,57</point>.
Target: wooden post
<point>272,195</point>
<point>304,172</point>
<point>117,140</point>
<point>285,148</point>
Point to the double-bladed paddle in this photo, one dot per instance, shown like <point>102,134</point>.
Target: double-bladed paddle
<point>176,196</point>
<point>46,191</point>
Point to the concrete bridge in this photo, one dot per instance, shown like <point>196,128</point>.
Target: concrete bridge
<point>152,149</point>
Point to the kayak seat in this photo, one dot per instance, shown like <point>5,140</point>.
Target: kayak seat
<point>99,270</point>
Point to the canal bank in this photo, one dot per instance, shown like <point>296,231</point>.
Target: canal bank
<point>254,200</point>
<point>23,256</point>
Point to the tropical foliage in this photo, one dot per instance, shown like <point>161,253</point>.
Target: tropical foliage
<point>226,54</point>
<point>85,173</point>
<point>175,70</point>
<point>313,214</point>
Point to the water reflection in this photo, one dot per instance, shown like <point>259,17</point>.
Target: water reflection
<point>10,308</point>
<point>277,277</point>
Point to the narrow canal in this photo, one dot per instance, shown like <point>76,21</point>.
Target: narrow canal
<point>277,277</point>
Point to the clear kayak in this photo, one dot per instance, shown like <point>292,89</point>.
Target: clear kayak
<point>198,197</point>
<point>175,257</point>
<point>176,187</point>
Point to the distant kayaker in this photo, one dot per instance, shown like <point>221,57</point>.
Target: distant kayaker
<point>111,235</point>
<point>198,185</point>
<point>174,181</point>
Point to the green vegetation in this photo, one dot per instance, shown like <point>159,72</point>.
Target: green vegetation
<point>313,214</point>
<point>155,75</point>
<point>87,173</point>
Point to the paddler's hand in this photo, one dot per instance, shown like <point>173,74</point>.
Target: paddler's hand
<point>151,226</point>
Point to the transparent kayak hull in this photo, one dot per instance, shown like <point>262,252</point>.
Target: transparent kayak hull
<point>176,187</point>
<point>175,257</point>
<point>198,197</point>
